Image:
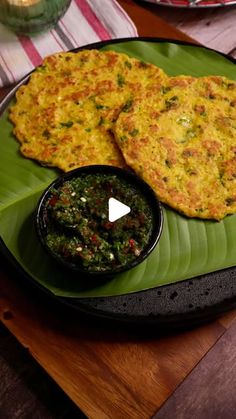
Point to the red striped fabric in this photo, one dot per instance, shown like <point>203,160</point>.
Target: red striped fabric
<point>57,39</point>
<point>92,19</point>
<point>68,32</point>
<point>30,50</point>
<point>85,22</point>
<point>7,69</point>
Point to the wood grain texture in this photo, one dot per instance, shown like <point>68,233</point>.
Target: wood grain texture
<point>228,319</point>
<point>149,23</point>
<point>209,391</point>
<point>213,27</point>
<point>107,371</point>
<point>26,391</point>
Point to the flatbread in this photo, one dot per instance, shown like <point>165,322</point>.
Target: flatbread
<point>64,115</point>
<point>181,139</point>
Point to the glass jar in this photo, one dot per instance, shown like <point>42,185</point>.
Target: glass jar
<point>31,16</point>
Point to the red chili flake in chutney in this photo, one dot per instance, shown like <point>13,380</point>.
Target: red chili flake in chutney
<point>78,229</point>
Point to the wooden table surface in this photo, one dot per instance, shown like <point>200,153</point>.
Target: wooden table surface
<point>117,372</point>
<point>213,27</point>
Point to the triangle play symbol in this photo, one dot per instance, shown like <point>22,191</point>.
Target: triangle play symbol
<point>116,209</point>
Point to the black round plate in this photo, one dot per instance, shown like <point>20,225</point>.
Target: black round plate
<point>185,303</point>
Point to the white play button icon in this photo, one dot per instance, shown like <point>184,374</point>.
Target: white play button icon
<point>116,209</point>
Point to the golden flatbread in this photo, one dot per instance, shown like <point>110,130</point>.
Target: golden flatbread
<point>181,139</point>
<point>64,115</point>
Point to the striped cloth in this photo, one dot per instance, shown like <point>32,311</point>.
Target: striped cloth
<point>85,22</point>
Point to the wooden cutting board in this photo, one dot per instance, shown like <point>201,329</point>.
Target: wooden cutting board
<point>108,370</point>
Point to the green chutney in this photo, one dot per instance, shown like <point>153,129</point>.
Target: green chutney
<point>78,229</point>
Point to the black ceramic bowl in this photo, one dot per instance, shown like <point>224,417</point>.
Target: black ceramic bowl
<point>131,185</point>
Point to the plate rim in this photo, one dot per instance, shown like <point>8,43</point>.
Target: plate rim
<point>192,5</point>
<point>5,101</point>
<point>176,317</point>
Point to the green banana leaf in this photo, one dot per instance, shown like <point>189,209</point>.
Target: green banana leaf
<point>187,248</point>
